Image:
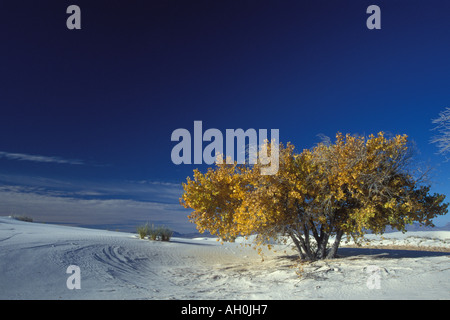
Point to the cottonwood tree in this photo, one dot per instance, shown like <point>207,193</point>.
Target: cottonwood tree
<point>443,127</point>
<point>347,188</point>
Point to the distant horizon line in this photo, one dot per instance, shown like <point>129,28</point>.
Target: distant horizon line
<point>131,227</point>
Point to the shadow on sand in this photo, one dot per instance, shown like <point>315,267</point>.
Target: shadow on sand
<point>388,253</point>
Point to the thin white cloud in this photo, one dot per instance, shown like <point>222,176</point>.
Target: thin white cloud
<point>50,206</point>
<point>38,158</point>
<point>102,202</point>
<point>144,190</point>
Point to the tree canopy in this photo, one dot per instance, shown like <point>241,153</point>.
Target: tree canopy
<point>442,140</point>
<point>349,187</point>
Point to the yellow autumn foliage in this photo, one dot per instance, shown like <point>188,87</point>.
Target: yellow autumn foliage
<point>333,189</point>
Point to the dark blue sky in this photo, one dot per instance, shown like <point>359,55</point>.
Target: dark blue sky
<point>86,115</point>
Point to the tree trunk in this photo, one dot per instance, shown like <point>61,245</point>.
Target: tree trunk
<point>322,245</point>
<point>302,247</point>
<point>306,242</point>
<point>333,250</point>
<point>297,245</point>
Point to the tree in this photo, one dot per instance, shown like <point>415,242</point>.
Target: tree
<point>346,188</point>
<point>443,126</point>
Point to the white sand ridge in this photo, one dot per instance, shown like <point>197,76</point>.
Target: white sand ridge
<point>113,265</point>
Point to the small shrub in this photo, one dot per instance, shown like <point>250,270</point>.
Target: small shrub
<point>23,218</point>
<point>165,234</point>
<point>143,230</point>
<point>153,232</point>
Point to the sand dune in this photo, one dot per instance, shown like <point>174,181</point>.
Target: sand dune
<point>34,259</point>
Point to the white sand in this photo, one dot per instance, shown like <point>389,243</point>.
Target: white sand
<point>34,259</point>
